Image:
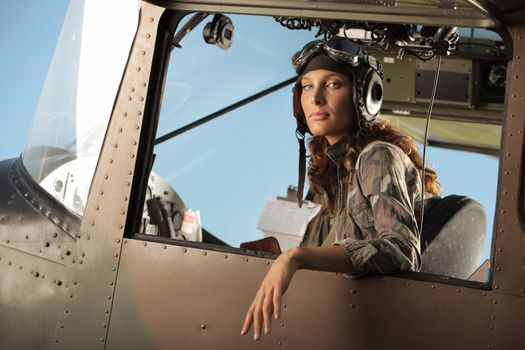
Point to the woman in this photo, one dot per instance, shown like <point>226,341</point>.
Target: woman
<point>367,174</point>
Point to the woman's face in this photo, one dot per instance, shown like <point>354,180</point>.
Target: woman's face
<point>327,103</point>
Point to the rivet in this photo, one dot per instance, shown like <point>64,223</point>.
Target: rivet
<point>7,241</point>
<point>139,113</point>
<point>97,207</point>
<point>27,236</point>
<point>267,263</point>
<point>114,269</point>
<point>138,69</point>
<point>115,145</point>
<point>145,244</point>
<point>495,302</point>
<point>123,212</point>
<point>20,267</point>
<point>203,326</point>
<point>353,291</point>
<point>225,256</point>
<point>56,340</point>
<point>66,311</point>
<point>500,250</point>
<point>143,52</point>
<point>101,340</point>
<point>458,290</point>
<point>121,227</point>
<point>498,268</point>
<point>144,84</point>
<point>247,259</point>
<point>149,36</point>
<point>129,172</point>
<point>106,177</point>
<point>484,294</point>
<point>132,155</point>
<point>504,211</point>
<point>408,284</point>
<point>493,317</point>
<point>111,283</point>
<point>110,162</point>
<point>92,223</point>
<point>204,253</point>
<point>71,296</point>
<point>118,240</point>
<point>284,306</point>
<point>164,247</point>
<point>352,306</point>
<point>137,127</point>
<point>88,237</point>
<point>129,98</point>
<point>116,255</point>
<point>61,326</point>
<point>125,198</point>
<point>151,19</point>
<point>184,250</point>
<point>496,286</point>
<point>68,253</point>
<point>282,324</point>
<point>104,325</point>
<point>127,184</point>
<point>106,311</point>
<point>132,89</point>
<point>83,254</point>
<point>142,99</point>
<point>522,291</point>
<point>109,297</point>
<point>125,114</point>
<point>134,143</point>
<point>280,342</point>
<point>102,192</point>
<point>491,327</point>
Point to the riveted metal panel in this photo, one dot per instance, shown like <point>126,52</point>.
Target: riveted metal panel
<point>466,15</point>
<point>506,322</point>
<point>400,78</point>
<point>86,316</point>
<point>36,253</point>
<point>171,297</point>
<point>509,254</point>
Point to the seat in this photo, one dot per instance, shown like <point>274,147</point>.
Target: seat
<point>453,236</point>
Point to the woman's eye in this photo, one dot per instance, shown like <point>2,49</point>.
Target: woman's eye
<point>334,84</point>
<point>307,86</point>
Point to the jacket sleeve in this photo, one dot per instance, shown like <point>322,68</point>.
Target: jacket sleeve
<point>390,182</point>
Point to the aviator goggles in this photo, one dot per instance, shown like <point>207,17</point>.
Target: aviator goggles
<point>337,48</point>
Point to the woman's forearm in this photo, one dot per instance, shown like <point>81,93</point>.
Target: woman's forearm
<point>332,258</point>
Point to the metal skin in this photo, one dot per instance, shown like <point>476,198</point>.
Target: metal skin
<point>99,286</point>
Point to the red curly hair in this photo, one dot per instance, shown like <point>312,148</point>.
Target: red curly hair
<point>322,173</point>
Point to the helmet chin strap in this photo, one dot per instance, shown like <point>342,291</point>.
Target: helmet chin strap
<point>302,167</point>
<point>425,141</point>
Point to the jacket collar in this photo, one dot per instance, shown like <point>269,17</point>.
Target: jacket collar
<point>337,151</point>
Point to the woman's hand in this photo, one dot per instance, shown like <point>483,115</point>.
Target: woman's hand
<point>268,298</point>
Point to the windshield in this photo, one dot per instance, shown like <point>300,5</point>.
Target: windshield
<point>77,98</point>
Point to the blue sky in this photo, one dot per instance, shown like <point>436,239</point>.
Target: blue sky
<point>32,28</point>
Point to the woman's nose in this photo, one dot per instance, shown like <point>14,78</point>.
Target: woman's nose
<point>318,97</point>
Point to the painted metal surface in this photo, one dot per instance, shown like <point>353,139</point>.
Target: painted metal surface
<point>36,256</point>
<point>170,296</point>
<point>460,13</point>
<point>99,242</point>
<point>509,254</point>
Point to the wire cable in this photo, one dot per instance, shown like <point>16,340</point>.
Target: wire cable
<point>425,142</point>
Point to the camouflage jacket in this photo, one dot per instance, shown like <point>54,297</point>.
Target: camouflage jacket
<point>375,220</point>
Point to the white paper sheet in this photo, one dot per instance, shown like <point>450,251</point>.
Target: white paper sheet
<point>285,217</point>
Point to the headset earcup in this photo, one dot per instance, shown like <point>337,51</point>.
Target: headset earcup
<point>373,93</point>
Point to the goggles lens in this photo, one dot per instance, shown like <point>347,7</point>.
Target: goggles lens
<point>337,47</point>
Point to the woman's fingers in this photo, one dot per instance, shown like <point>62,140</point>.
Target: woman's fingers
<point>267,309</point>
<point>276,305</point>
<point>248,320</point>
<point>257,320</point>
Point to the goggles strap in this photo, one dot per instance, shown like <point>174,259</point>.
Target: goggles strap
<point>302,168</point>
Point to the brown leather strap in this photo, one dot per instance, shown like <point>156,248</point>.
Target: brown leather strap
<point>302,170</point>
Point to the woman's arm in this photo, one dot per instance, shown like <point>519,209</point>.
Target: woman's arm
<point>267,301</point>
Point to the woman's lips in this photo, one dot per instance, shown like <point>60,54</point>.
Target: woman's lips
<point>319,116</point>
